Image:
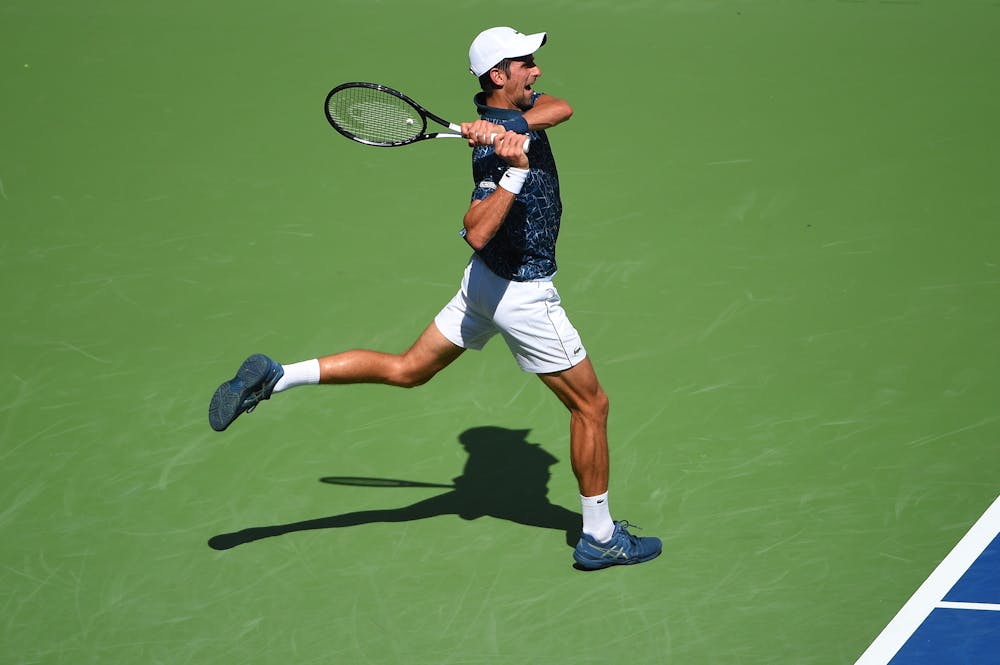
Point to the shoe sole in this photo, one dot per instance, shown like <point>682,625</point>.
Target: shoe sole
<point>227,402</point>
<point>587,565</point>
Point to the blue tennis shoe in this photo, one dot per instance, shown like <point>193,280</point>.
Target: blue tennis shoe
<point>623,549</point>
<point>253,383</point>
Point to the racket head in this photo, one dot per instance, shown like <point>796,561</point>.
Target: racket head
<point>375,114</point>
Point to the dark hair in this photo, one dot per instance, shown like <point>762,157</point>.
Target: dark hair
<point>486,82</point>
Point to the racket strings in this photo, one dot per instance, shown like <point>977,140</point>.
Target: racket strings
<point>374,115</point>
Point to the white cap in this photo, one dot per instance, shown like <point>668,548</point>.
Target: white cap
<point>493,45</point>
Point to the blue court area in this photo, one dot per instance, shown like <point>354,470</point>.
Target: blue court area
<point>955,615</point>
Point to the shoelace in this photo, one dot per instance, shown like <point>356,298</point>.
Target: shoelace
<point>625,525</point>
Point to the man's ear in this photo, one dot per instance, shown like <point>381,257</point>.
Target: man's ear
<point>497,76</point>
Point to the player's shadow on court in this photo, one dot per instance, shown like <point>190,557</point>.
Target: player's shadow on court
<point>505,477</point>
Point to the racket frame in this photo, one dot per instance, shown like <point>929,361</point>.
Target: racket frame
<point>422,113</point>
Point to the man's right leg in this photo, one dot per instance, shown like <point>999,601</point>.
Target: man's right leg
<point>260,376</point>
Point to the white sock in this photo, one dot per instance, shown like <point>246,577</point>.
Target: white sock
<point>597,522</point>
<point>305,373</point>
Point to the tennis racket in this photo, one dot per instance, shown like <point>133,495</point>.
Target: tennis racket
<point>377,115</point>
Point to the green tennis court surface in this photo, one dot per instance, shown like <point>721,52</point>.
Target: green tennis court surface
<point>780,245</point>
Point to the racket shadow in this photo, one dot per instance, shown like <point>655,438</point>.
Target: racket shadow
<point>505,477</point>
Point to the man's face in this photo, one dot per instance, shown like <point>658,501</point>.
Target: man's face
<point>517,85</point>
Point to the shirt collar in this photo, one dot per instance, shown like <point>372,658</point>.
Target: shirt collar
<point>492,111</point>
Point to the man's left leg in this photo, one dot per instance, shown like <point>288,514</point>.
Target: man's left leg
<point>604,542</point>
<point>581,392</point>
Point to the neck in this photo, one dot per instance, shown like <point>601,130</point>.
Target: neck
<point>486,104</point>
<point>498,100</point>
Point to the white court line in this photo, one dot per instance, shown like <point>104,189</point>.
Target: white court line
<point>932,592</point>
<point>989,607</point>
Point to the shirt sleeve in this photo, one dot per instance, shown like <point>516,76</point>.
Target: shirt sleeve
<point>487,169</point>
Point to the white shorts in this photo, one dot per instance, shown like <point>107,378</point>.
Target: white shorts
<point>527,314</point>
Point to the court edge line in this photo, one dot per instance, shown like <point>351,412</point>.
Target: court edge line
<point>949,605</point>
<point>932,592</point>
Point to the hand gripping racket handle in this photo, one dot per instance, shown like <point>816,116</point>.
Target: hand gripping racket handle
<point>527,141</point>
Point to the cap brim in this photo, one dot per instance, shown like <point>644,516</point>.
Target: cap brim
<point>532,43</point>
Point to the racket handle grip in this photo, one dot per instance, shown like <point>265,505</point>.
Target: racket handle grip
<point>527,142</point>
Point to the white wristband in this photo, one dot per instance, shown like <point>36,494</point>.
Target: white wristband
<point>513,179</point>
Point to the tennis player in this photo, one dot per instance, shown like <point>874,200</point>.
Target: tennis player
<point>511,225</point>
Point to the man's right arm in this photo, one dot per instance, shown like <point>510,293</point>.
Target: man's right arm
<point>485,216</point>
<point>548,111</point>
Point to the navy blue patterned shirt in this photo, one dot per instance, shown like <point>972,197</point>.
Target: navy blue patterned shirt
<point>524,247</point>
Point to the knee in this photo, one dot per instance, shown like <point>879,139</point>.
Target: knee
<point>413,381</point>
<point>411,377</point>
<point>603,403</point>
<point>596,406</point>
